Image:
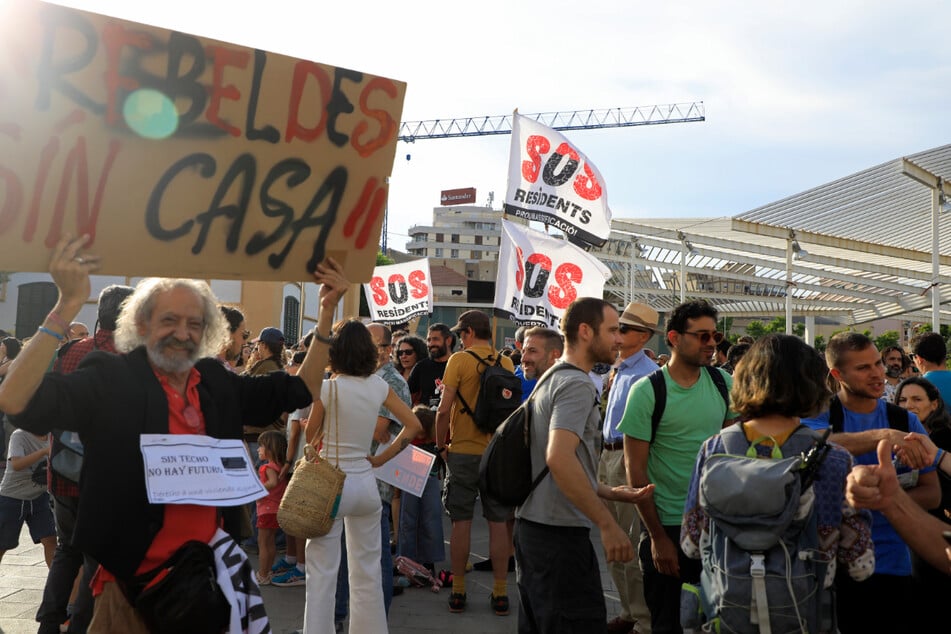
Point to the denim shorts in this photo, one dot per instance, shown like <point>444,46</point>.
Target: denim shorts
<point>36,513</point>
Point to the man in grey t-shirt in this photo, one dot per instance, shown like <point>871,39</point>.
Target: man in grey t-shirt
<point>558,515</point>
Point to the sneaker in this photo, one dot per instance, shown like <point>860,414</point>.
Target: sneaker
<point>281,567</point>
<point>500,604</point>
<point>617,625</point>
<point>263,580</point>
<point>292,577</point>
<point>457,602</point>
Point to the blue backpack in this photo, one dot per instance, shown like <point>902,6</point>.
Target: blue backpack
<point>762,568</point>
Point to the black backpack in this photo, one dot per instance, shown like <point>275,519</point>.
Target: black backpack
<point>897,416</point>
<point>660,394</point>
<point>500,393</point>
<point>505,471</point>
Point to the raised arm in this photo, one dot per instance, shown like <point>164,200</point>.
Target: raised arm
<point>329,275</point>
<point>70,272</point>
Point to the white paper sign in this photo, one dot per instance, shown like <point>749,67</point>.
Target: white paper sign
<point>398,292</point>
<point>552,182</point>
<point>193,469</point>
<point>539,276</point>
<point>408,470</point>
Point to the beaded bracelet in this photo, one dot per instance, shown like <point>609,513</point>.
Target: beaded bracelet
<point>322,339</point>
<point>51,333</point>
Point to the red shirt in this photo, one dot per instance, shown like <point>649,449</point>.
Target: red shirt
<point>182,522</point>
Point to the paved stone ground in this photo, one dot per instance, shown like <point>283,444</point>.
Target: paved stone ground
<point>416,611</point>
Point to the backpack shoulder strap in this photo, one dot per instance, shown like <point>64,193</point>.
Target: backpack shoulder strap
<point>897,417</point>
<point>717,377</point>
<point>660,399</point>
<point>528,405</point>
<point>734,439</point>
<point>836,415</point>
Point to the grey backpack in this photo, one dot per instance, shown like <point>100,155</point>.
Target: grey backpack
<point>762,568</point>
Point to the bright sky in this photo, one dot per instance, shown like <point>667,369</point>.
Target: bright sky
<point>796,94</point>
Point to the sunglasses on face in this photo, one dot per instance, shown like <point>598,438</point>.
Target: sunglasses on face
<point>626,329</point>
<point>705,336</point>
<point>404,353</point>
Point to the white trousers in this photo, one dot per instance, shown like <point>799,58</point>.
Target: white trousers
<point>359,515</point>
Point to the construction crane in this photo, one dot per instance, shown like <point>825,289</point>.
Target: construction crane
<point>412,131</point>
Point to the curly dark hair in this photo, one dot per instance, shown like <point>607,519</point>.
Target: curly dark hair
<point>781,375</point>
<point>352,350</point>
<point>418,345</point>
<point>677,320</point>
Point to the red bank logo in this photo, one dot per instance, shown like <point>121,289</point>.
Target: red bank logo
<point>466,196</point>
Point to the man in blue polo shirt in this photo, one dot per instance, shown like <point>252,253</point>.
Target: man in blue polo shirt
<point>864,418</point>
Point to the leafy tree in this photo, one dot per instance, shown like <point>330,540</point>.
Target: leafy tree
<point>757,329</point>
<point>887,339</point>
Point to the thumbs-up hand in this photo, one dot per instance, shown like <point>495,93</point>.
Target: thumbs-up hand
<point>873,486</point>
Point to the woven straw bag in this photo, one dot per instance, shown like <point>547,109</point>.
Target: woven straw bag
<point>310,503</point>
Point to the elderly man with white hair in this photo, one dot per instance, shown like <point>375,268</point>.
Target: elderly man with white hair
<point>165,381</point>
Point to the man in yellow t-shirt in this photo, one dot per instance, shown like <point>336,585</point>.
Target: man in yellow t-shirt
<point>462,456</point>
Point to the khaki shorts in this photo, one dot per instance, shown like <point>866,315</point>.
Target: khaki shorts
<point>461,488</point>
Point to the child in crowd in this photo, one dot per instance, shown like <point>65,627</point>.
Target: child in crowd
<point>421,535</point>
<point>289,571</point>
<point>272,447</point>
<point>23,498</point>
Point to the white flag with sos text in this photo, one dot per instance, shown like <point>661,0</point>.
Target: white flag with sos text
<point>540,275</point>
<point>552,182</point>
<point>398,292</point>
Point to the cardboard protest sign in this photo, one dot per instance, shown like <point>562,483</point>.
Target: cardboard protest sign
<point>184,156</point>
<point>398,292</point>
<point>552,182</point>
<point>540,275</point>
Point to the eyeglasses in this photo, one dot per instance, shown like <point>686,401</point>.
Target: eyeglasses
<point>624,329</point>
<point>246,335</point>
<point>404,353</point>
<point>705,336</point>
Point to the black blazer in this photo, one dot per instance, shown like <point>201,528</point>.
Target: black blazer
<point>112,399</point>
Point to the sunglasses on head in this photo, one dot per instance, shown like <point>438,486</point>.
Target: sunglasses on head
<point>705,336</point>
<point>624,329</point>
<point>404,353</point>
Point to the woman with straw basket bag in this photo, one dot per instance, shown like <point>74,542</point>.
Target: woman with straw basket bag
<point>344,418</point>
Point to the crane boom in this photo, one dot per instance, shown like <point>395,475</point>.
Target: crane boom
<point>688,112</point>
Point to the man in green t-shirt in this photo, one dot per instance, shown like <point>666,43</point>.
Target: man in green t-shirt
<point>694,411</point>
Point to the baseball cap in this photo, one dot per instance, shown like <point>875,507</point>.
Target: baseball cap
<point>474,319</point>
<point>271,335</point>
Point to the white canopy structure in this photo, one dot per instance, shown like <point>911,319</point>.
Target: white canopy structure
<point>854,250</point>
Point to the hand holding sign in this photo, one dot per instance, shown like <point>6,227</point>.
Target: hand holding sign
<point>70,270</point>
<point>333,283</point>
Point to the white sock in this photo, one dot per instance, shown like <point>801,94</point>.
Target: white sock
<point>290,560</point>
<point>300,568</point>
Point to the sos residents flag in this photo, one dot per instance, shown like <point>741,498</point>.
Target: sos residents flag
<point>539,275</point>
<point>551,182</point>
<point>398,292</point>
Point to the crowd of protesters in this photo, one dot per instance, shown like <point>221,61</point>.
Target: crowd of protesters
<point>611,465</point>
